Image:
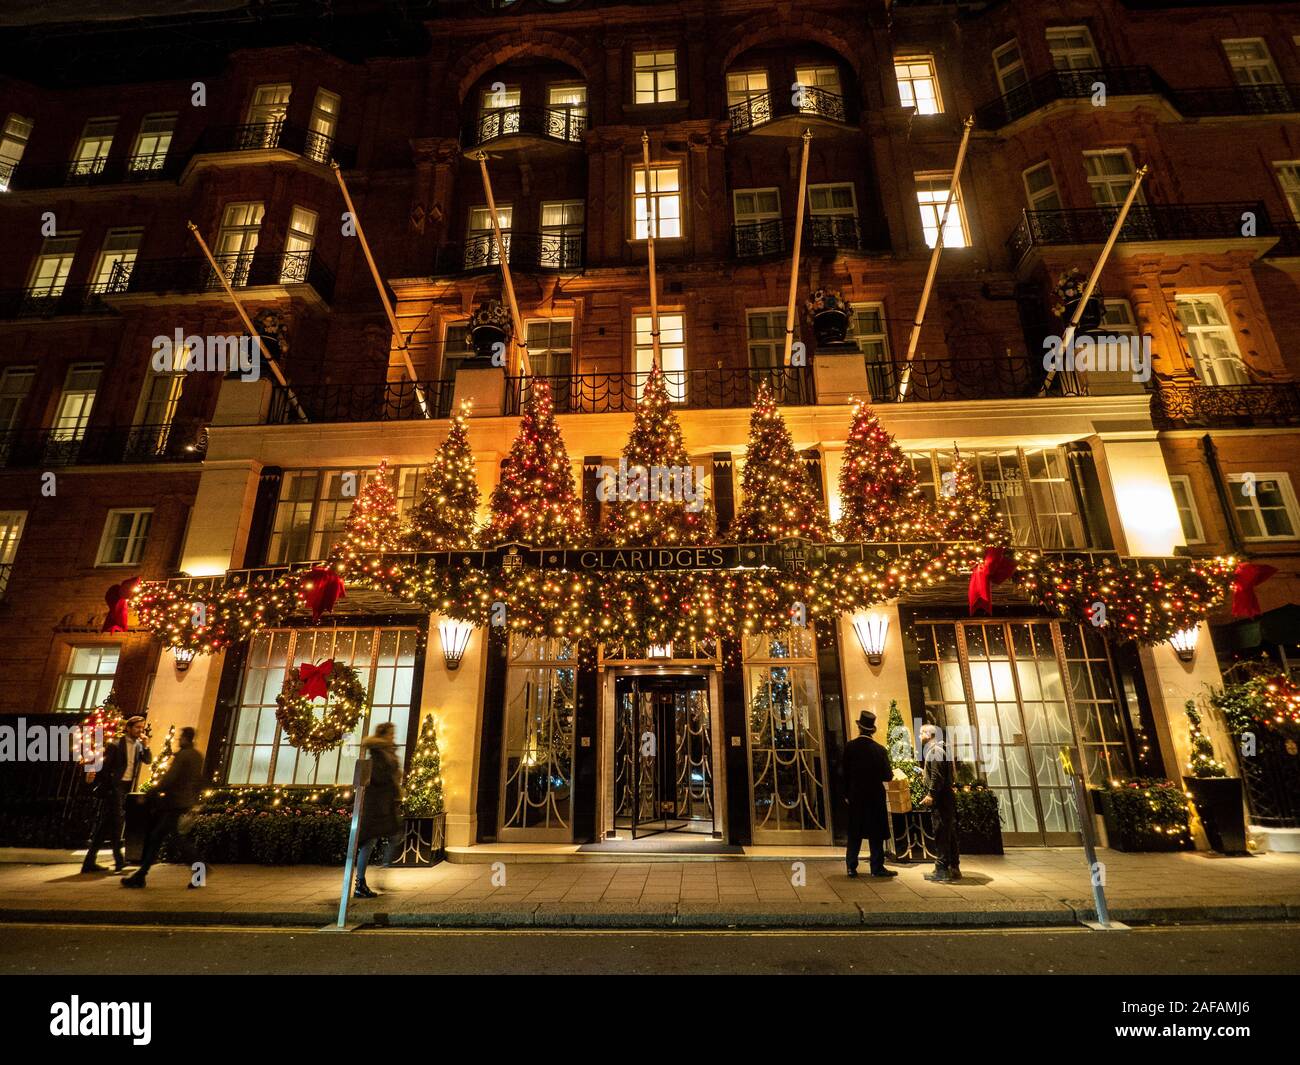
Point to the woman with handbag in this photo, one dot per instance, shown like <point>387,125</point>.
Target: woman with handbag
<point>381,809</point>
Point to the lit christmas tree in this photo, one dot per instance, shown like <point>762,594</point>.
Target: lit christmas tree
<point>966,509</point>
<point>651,505</point>
<point>422,788</point>
<point>534,502</point>
<point>372,528</point>
<point>902,755</point>
<point>778,496</point>
<point>99,728</point>
<point>163,761</point>
<point>879,495</point>
<point>1202,762</point>
<point>444,518</point>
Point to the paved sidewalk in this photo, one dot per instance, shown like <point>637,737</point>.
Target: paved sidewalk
<point>1024,887</point>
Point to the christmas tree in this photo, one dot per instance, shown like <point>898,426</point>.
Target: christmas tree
<point>163,762</point>
<point>659,499</point>
<point>1202,762</point>
<point>99,728</point>
<point>778,496</point>
<point>879,495</point>
<point>372,528</point>
<point>902,755</point>
<point>534,502</point>
<point>445,516</point>
<point>966,509</point>
<point>422,788</point>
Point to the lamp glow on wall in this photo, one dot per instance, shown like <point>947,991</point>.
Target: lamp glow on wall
<point>1184,642</point>
<point>872,630</point>
<point>455,638</point>
<point>183,656</point>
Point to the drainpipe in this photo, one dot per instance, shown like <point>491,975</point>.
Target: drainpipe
<point>1221,490</point>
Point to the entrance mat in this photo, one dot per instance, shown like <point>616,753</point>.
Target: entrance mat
<point>667,843</point>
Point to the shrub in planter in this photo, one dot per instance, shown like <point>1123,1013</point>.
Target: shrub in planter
<point>273,826</point>
<point>979,826</point>
<point>1145,815</point>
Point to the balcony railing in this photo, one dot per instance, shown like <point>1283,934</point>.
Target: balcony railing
<point>754,240</point>
<point>103,445</point>
<point>948,380</point>
<point>1146,222</point>
<point>1198,406</point>
<point>386,401</point>
<point>246,270</point>
<point>707,389</point>
<point>759,110</point>
<point>104,170</point>
<point>551,123</point>
<point>527,251</point>
<point>1067,85</point>
<point>286,136</point>
<point>39,303</point>
<point>1237,100</point>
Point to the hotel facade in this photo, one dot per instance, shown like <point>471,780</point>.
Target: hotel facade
<point>113,467</point>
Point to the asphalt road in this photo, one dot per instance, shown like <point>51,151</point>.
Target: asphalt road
<point>1255,948</point>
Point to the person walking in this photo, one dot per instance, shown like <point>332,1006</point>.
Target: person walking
<point>942,799</point>
<point>865,769</point>
<point>381,809</point>
<point>111,784</point>
<point>176,793</point>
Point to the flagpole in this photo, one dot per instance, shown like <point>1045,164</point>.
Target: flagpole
<point>798,244</point>
<point>652,223</point>
<point>968,125</point>
<point>503,259</point>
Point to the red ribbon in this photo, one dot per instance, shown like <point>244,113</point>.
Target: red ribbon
<point>1245,579</point>
<point>321,589</point>
<point>315,678</point>
<point>996,568</point>
<point>118,598</point>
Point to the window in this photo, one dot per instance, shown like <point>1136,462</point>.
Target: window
<point>766,335</point>
<point>836,200</point>
<point>1185,500</point>
<point>88,679</point>
<point>1009,67</point>
<point>125,534</point>
<point>120,247</point>
<point>52,266</point>
<point>1288,176</point>
<point>1210,340</point>
<point>266,115</point>
<point>1110,176</point>
<point>454,352</point>
<point>758,221</point>
<point>1072,48</point>
<point>322,125</point>
<point>665,191</point>
<point>931,197</point>
<point>833,212</point>
<point>672,352</point>
<point>298,245</point>
<point>92,149</point>
<point>1250,61</point>
<point>1265,505</point>
<point>561,234</point>
<point>1117,318</point>
<point>480,240</point>
<point>11,531</point>
<point>13,142</point>
<point>384,658</point>
<point>152,143</point>
<point>655,77</point>
<point>15,383</point>
<point>746,85</point>
<point>241,225</point>
<point>568,111</point>
<point>76,401</point>
<point>161,394</point>
<point>824,79</point>
<point>918,85</point>
<point>1040,188</point>
<point>550,346</point>
<point>499,113</point>
<point>867,328</point>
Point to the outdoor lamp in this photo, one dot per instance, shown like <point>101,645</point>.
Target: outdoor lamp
<point>872,630</point>
<point>184,656</point>
<point>455,638</point>
<point>1184,642</point>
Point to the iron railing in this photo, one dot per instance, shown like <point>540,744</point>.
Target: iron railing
<point>1237,100</point>
<point>242,270</point>
<point>1199,406</point>
<point>706,389</point>
<point>759,110</point>
<point>1145,222</point>
<point>526,251</point>
<point>103,170</point>
<point>103,445</point>
<point>286,136</point>
<point>1067,85</point>
<point>987,377</point>
<point>552,123</point>
<point>754,240</point>
<point>385,401</point>
<point>45,303</point>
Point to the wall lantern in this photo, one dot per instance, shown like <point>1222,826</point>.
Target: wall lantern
<point>1184,642</point>
<point>183,656</point>
<point>455,638</point>
<point>872,629</point>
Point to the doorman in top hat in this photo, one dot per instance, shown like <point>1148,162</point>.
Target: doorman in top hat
<point>865,770</point>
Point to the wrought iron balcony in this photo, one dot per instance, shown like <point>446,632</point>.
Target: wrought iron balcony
<point>1237,100</point>
<point>1289,244</point>
<point>1145,222</point>
<point>1068,85</point>
<point>103,445</point>
<point>385,401</point>
<point>1198,406</point>
<point>104,170</point>
<point>708,389</point>
<point>527,251</point>
<point>759,110</point>
<point>286,136</point>
<point>242,271</point>
<point>755,240</point>
<point>947,380</point>
<point>43,303</point>
<point>551,123</point>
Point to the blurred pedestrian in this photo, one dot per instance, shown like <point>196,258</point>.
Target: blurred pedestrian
<point>381,808</point>
<point>175,794</point>
<point>111,784</point>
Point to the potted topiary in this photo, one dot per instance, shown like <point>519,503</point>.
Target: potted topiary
<point>1216,795</point>
<point>830,313</point>
<point>425,837</point>
<point>490,329</point>
<point>1067,294</point>
<point>899,791</point>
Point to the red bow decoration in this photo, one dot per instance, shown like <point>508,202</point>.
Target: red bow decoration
<point>1245,579</point>
<point>321,589</point>
<point>118,598</point>
<point>996,568</point>
<point>315,678</point>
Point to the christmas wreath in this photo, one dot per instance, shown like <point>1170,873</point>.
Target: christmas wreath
<point>309,726</point>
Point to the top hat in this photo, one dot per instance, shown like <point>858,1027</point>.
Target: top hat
<point>867,721</point>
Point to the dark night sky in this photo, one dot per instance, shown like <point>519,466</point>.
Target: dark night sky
<point>28,12</point>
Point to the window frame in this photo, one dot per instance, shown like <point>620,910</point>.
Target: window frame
<point>94,682</point>
<point>675,376</point>
<point>1287,172</point>
<point>944,177</point>
<point>1266,63</point>
<point>1289,506</point>
<point>135,542</point>
<point>11,138</point>
<point>655,69</point>
<point>1033,199</point>
<point>677,194</point>
<point>146,162</point>
<point>1106,180</point>
<point>910,79</point>
<point>1191,332</point>
<point>1184,482</point>
<point>1073,51</point>
<point>12,525</point>
<point>1000,73</point>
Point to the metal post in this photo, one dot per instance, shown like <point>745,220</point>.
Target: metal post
<point>1079,793</point>
<point>360,779</point>
<point>930,273</point>
<point>652,224</point>
<point>504,260</point>
<point>798,244</point>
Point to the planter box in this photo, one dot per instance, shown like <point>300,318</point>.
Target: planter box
<point>898,796</point>
<point>424,841</point>
<point>912,837</point>
<point>1218,802</point>
<point>1121,840</point>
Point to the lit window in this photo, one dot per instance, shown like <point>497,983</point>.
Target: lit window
<point>766,336</point>
<point>152,143</point>
<point>1211,340</point>
<point>672,352</point>
<point>76,401</point>
<point>88,679</point>
<point>1186,503</point>
<point>15,383</point>
<point>298,244</point>
<point>655,77</point>
<point>932,196</point>
<point>269,107</point>
<point>93,147</point>
<point>480,238</point>
<point>499,112</point>
<point>13,142</point>
<point>759,230</point>
<point>918,85</point>
<point>1250,61</point>
<point>550,347</point>
<point>1040,188</point>
<point>116,258</point>
<point>11,531</point>
<point>1110,176</point>
<point>1009,66</point>
<point>746,85</point>
<point>322,125</point>
<point>1288,176</point>
<point>241,226</point>
<point>568,111</point>
<point>125,534</point>
<point>824,79</point>
<point>52,266</point>
<point>1072,48</point>
<point>1264,504</point>
<point>666,193</point>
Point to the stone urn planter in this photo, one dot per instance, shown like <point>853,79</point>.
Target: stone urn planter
<point>489,333</point>
<point>1218,804</point>
<point>1066,297</point>
<point>830,313</point>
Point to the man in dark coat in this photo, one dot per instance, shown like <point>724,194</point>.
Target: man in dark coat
<point>176,793</point>
<point>865,770</point>
<point>110,784</point>
<point>381,806</point>
<point>942,799</point>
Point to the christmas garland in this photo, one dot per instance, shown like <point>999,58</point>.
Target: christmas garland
<point>297,711</point>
